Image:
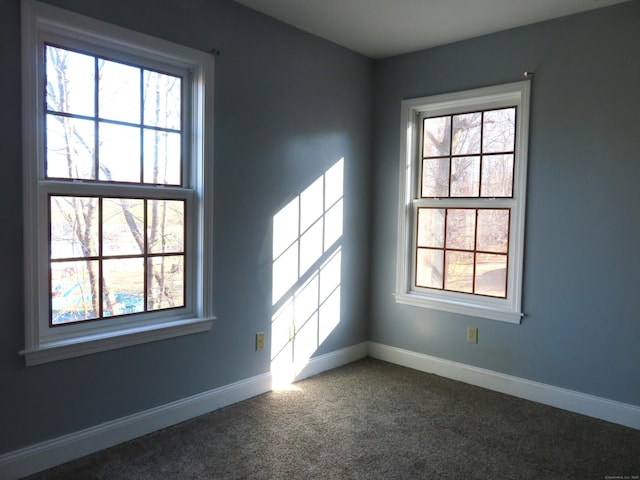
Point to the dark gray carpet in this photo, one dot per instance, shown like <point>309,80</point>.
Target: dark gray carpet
<point>373,420</point>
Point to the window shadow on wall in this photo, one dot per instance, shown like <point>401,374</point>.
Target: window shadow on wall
<point>306,281</point>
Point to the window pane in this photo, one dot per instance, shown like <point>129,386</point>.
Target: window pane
<point>162,154</point>
<point>461,228</point>
<point>165,228</point>
<point>166,282</point>
<point>119,92</point>
<point>493,230</point>
<point>162,100</point>
<point>122,286</point>
<point>122,226</point>
<point>435,177</point>
<point>491,275</point>
<point>74,287</point>
<point>466,133</point>
<point>70,147</point>
<point>499,130</point>
<point>437,137</point>
<point>459,272</point>
<point>429,268</point>
<point>431,227</point>
<point>74,227</point>
<point>465,176</point>
<point>119,153</point>
<point>70,81</point>
<point>497,176</point>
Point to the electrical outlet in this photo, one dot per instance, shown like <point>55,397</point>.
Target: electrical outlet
<point>472,334</point>
<point>259,341</point>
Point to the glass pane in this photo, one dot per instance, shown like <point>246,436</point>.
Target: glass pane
<point>70,81</point>
<point>465,176</point>
<point>461,228</point>
<point>119,92</point>
<point>499,130</point>
<point>459,272</point>
<point>162,154</point>
<point>74,287</point>
<point>497,176</point>
<point>70,147</point>
<point>166,285</point>
<point>119,153</point>
<point>431,227</point>
<point>165,227</point>
<point>122,226</point>
<point>491,275</point>
<point>429,268</point>
<point>162,100</point>
<point>435,177</point>
<point>437,137</point>
<point>466,133</point>
<point>74,227</point>
<point>122,286</point>
<point>493,230</point>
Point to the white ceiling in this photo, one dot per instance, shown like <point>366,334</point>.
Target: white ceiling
<point>382,28</point>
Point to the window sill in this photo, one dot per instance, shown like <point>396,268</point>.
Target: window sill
<point>60,350</point>
<point>471,309</point>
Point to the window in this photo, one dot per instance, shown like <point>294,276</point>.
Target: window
<point>117,180</point>
<point>462,201</point>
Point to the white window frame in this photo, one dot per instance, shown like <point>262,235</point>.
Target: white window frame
<point>413,111</point>
<point>44,23</point>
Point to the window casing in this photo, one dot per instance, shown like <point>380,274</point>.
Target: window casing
<point>462,201</point>
<point>117,186</point>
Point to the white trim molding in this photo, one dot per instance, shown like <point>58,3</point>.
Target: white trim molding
<point>577,402</point>
<point>48,454</point>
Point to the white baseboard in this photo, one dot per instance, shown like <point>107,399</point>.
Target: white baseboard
<point>592,406</point>
<point>54,452</point>
<point>75,445</point>
<point>44,455</point>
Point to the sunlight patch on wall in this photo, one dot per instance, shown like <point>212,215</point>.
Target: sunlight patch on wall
<point>307,262</point>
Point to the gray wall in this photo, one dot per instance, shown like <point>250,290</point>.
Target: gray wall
<point>287,106</point>
<point>582,263</point>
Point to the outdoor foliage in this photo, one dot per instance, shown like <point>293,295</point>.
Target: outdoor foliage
<point>469,155</point>
<point>113,124</point>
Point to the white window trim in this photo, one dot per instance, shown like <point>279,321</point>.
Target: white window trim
<point>40,22</point>
<point>509,309</point>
